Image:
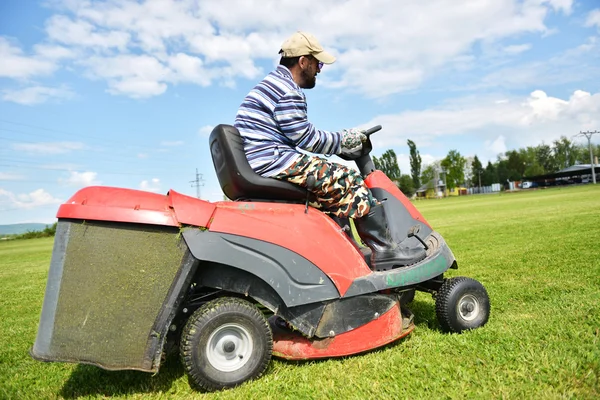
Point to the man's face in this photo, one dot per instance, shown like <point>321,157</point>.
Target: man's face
<point>309,67</point>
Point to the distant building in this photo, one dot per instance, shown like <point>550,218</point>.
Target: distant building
<point>457,191</point>
<point>431,191</point>
<point>581,173</point>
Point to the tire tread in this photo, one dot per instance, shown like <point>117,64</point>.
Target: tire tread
<point>442,309</point>
<point>203,315</point>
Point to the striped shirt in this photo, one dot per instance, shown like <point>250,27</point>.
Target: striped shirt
<point>273,122</point>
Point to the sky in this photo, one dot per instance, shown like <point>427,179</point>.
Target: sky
<point>125,93</point>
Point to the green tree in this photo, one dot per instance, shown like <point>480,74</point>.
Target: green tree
<point>528,155</point>
<point>406,185</point>
<point>388,164</point>
<point>415,164</point>
<point>490,175</point>
<point>454,165</point>
<point>477,170</point>
<point>502,171</point>
<point>516,164</point>
<point>545,158</point>
<point>428,175</point>
<point>533,170</point>
<point>583,152</point>
<point>565,153</point>
<point>50,230</point>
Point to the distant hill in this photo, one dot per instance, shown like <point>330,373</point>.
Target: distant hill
<point>16,229</point>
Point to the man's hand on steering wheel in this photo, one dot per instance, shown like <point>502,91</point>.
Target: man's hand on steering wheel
<point>352,140</point>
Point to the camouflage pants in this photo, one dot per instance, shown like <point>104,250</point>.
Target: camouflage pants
<point>339,190</point>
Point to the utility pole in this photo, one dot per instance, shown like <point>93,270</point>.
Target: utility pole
<point>436,176</point>
<point>445,172</point>
<point>197,183</point>
<point>588,135</point>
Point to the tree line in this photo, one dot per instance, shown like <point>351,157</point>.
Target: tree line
<point>457,170</point>
<point>48,231</point>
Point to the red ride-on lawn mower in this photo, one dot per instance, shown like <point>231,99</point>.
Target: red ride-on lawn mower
<point>232,283</point>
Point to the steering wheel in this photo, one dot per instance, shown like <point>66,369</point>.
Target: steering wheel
<point>366,147</point>
<point>372,130</point>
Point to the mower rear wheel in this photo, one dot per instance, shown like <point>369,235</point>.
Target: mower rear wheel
<point>462,304</point>
<point>224,343</point>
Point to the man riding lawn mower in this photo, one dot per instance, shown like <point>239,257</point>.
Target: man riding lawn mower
<point>273,272</point>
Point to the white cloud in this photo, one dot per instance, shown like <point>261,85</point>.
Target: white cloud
<point>141,76</point>
<point>185,68</point>
<point>36,95</point>
<point>565,6</point>
<point>37,198</point>
<point>573,65</point>
<point>137,88</point>
<point>517,48</point>
<point>82,33</point>
<point>498,146</point>
<point>140,48</point>
<point>54,52</point>
<point>205,130</point>
<point>16,65</point>
<point>428,159</point>
<point>137,76</point>
<point>403,39</point>
<point>502,122</point>
<point>593,18</point>
<point>80,179</point>
<point>153,185</point>
<point>49,147</point>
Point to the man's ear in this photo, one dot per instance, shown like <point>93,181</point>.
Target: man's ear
<point>302,61</point>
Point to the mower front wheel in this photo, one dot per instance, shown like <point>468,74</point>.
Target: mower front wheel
<point>224,343</point>
<point>462,304</point>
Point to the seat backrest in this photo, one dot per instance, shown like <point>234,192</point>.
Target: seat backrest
<point>238,180</point>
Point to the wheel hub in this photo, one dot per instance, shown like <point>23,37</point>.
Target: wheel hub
<point>229,347</point>
<point>468,307</point>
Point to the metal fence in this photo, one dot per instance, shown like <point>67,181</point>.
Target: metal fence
<point>493,188</point>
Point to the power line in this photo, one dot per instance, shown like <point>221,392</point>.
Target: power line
<point>92,148</point>
<point>77,138</point>
<point>145,173</point>
<point>106,154</point>
<point>78,135</point>
<point>113,147</point>
<point>588,135</point>
<point>74,165</point>
<point>102,139</point>
<point>36,127</point>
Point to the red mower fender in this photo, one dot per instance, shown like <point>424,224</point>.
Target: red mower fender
<point>312,235</point>
<point>103,203</point>
<point>378,179</point>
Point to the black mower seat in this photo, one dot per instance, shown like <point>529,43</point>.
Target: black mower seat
<point>238,180</point>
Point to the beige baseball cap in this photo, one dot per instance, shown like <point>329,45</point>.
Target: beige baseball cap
<point>303,44</point>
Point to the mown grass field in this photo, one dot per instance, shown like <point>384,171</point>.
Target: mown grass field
<point>537,253</point>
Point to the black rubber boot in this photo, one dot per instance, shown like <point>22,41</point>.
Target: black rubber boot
<point>387,254</point>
